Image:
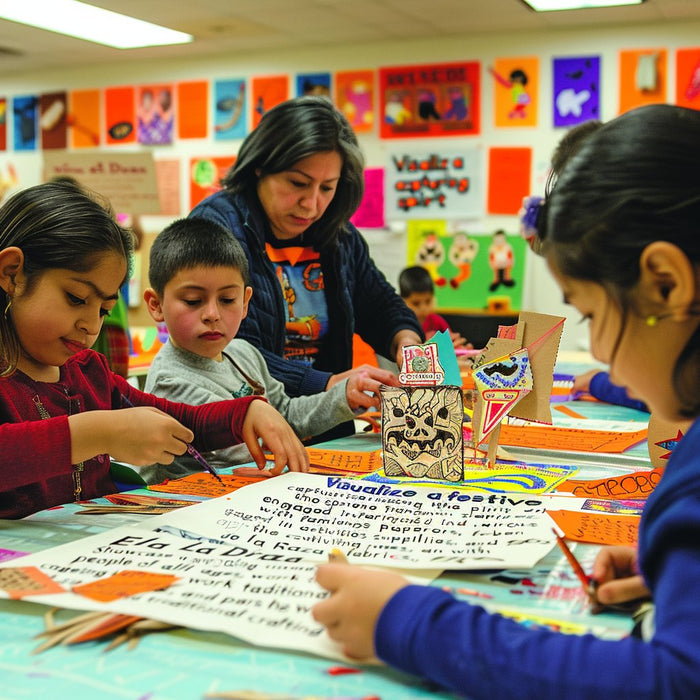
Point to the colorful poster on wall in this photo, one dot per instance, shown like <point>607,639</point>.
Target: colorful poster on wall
<point>314,84</point>
<point>120,113</point>
<point>193,109</point>
<point>370,213</point>
<point>354,97</point>
<point>516,91</point>
<point>509,179</point>
<point>266,92</point>
<point>84,118</point>
<point>230,109</point>
<point>430,100</point>
<point>205,176</point>
<point>642,78</point>
<point>52,120</point>
<point>471,271</point>
<point>688,78</point>
<point>24,111</point>
<point>576,90</point>
<point>3,123</point>
<point>155,115</point>
<point>434,181</point>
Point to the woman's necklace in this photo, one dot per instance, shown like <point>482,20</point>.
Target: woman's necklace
<point>44,414</point>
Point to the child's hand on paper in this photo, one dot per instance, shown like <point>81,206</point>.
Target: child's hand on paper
<point>357,597</point>
<point>262,421</point>
<point>617,576</point>
<point>139,436</point>
<point>362,389</point>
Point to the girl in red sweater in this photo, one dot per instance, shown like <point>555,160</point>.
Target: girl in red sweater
<point>63,258</point>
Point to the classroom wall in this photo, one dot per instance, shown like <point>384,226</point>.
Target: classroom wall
<point>389,246</point>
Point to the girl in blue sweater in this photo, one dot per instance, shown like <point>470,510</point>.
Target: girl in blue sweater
<point>623,242</point>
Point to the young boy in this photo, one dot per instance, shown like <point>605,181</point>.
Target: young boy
<point>417,290</point>
<point>199,288</point>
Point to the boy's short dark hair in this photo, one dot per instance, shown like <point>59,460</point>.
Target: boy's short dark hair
<point>415,280</point>
<point>188,243</point>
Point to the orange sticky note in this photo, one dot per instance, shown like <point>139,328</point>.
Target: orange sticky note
<point>123,585</point>
<point>21,581</point>
<point>597,528</point>
<point>635,485</point>
<point>204,484</point>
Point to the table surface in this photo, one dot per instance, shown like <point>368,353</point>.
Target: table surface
<point>192,664</point>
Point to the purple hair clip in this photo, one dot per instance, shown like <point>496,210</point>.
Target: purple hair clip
<point>529,216</point>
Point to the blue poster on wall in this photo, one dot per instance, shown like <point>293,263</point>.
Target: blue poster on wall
<point>576,92</point>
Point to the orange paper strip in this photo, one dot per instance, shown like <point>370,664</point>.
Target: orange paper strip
<point>21,581</point>
<point>636,485</point>
<point>597,529</point>
<point>574,439</point>
<point>123,585</point>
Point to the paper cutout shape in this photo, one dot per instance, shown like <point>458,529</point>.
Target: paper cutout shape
<point>597,529</point>
<point>422,432</point>
<point>23,581</point>
<point>124,584</point>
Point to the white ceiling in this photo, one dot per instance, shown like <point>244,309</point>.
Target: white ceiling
<point>228,26</point>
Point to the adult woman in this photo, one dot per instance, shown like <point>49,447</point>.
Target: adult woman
<point>297,180</point>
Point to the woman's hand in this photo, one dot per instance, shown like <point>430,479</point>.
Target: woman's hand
<point>263,422</point>
<point>617,576</point>
<point>357,597</point>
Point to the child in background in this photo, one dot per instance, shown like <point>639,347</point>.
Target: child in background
<point>200,289</point>
<point>621,239</point>
<point>417,290</point>
<point>63,258</point>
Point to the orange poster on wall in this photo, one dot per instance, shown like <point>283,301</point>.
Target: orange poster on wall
<point>515,91</point>
<point>354,97</point>
<point>642,78</point>
<point>509,179</point>
<point>688,78</point>
<point>205,176</point>
<point>120,108</point>
<point>266,92</point>
<point>84,118</point>
<point>192,109</point>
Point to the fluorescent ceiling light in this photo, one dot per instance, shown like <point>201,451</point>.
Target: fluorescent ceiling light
<point>91,23</point>
<point>552,5</point>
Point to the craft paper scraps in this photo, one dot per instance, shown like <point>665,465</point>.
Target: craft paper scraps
<point>636,485</point>
<point>123,584</point>
<point>597,529</point>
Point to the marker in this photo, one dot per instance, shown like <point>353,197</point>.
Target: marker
<point>191,450</point>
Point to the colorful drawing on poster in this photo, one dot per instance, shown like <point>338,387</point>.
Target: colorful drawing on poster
<point>444,182</point>
<point>314,84</point>
<point>688,78</point>
<point>230,109</point>
<point>52,120</point>
<point>642,78</point>
<point>155,115</point>
<point>354,97</point>
<point>193,109</point>
<point>3,123</point>
<point>370,213</point>
<point>516,91</point>
<point>83,119</point>
<point>205,176</point>
<point>441,99</point>
<point>24,111</point>
<point>576,90</point>
<point>120,115</point>
<point>266,92</point>
<point>509,179</point>
<point>461,266</point>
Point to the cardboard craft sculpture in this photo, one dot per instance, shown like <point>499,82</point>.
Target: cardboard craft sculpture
<point>422,422</point>
<point>514,376</point>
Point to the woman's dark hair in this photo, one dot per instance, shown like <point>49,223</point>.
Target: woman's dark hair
<point>290,132</point>
<point>635,180</point>
<point>56,225</point>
